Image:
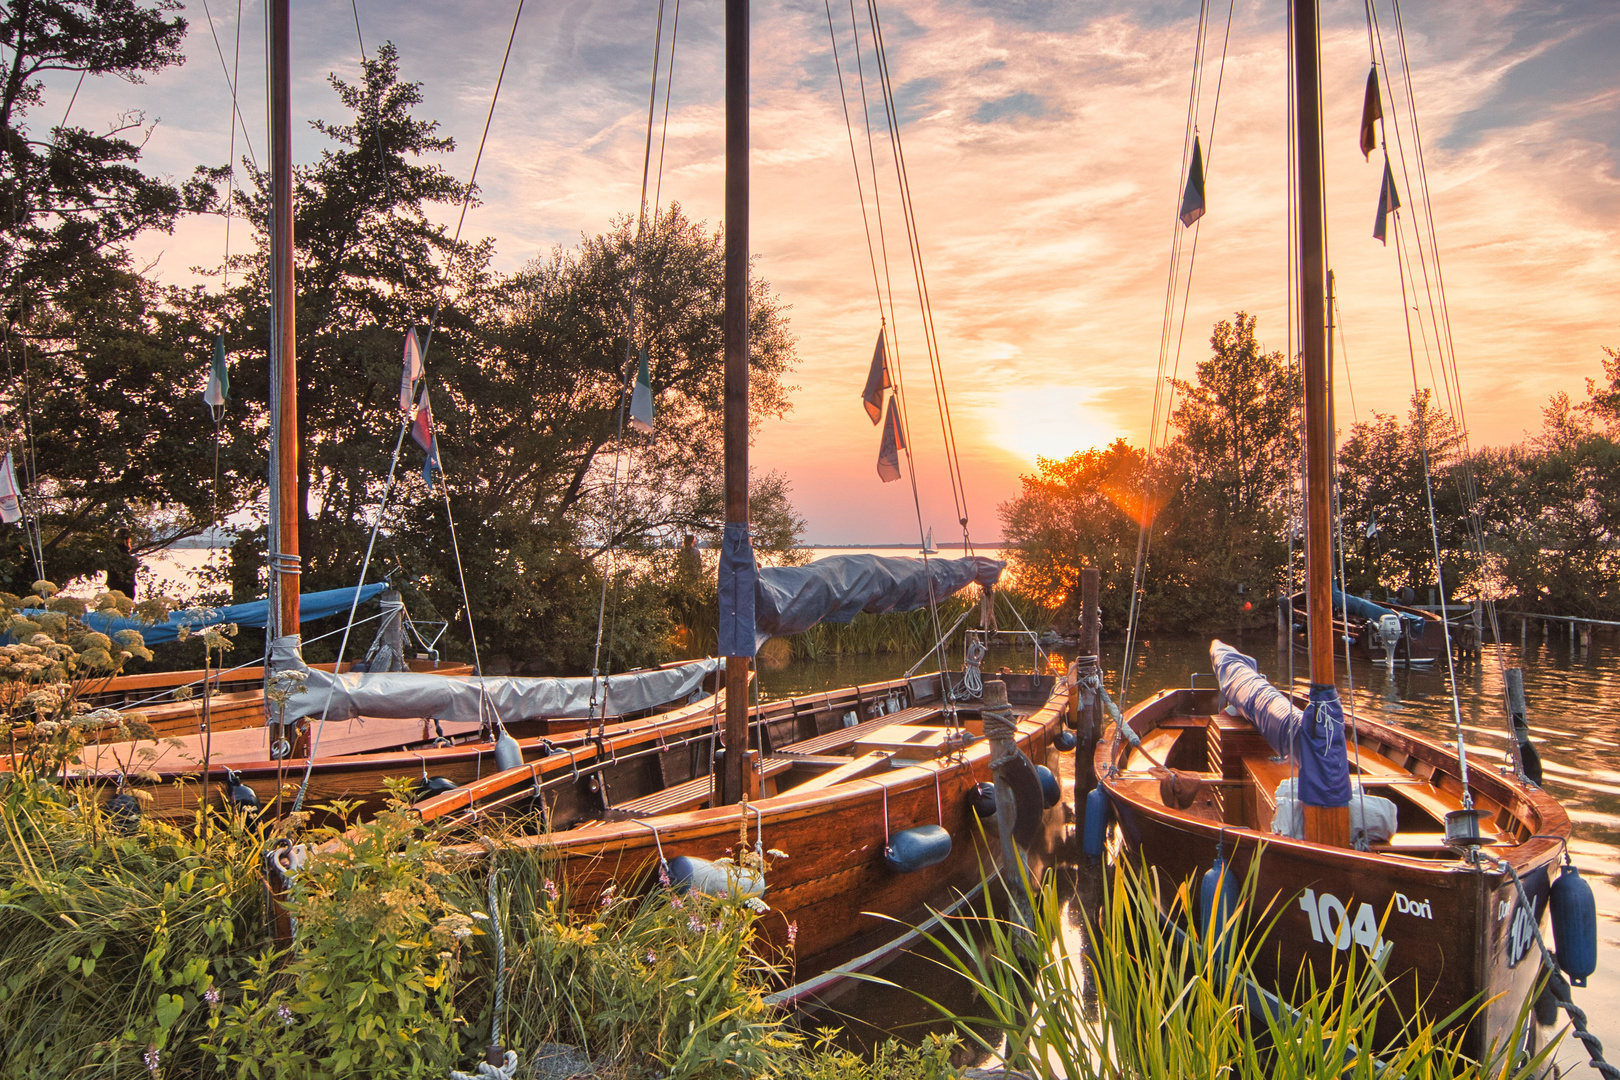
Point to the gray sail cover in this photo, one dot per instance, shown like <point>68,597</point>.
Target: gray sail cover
<point>408,694</point>
<point>792,599</point>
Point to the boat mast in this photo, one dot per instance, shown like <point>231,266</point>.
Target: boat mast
<point>1313,335</point>
<point>283,327</point>
<point>735,332</point>
<point>1329,825</point>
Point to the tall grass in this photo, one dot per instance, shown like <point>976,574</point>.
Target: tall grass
<point>1154,1001</point>
<point>116,936</point>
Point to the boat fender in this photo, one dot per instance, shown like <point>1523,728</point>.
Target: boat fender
<point>715,878</point>
<point>1066,740</point>
<point>917,849</point>
<point>1095,830</point>
<point>508,754</point>
<point>1217,901</point>
<point>124,810</point>
<point>434,785</point>
<point>982,798</point>
<point>1028,800</point>
<point>1574,923</point>
<point>1051,791</point>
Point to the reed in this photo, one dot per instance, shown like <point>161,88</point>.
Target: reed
<point>1152,1000</point>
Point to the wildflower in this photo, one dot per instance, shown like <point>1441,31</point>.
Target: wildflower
<point>756,905</point>
<point>776,853</point>
<point>211,995</point>
<point>285,1015</point>
<point>607,897</point>
<point>652,957</point>
<point>663,873</point>
<point>150,1058</point>
<point>694,924</point>
<point>793,932</point>
<point>676,902</point>
<point>551,890</point>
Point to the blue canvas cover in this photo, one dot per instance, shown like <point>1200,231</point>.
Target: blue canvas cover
<point>739,583</point>
<point>1314,739</point>
<point>1366,609</point>
<point>311,606</point>
<point>792,599</point>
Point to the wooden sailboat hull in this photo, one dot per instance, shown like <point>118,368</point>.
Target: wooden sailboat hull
<point>1458,934</point>
<point>834,888</point>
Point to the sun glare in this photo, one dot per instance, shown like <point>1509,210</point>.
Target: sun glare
<point>1051,422</point>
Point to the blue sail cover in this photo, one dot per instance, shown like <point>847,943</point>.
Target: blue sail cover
<point>792,599</point>
<point>1365,609</point>
<point>311,606</point>
<point>1314,739</point>
<point>739,585</point>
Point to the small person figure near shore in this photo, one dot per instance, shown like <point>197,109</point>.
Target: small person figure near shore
<point>122,564</point>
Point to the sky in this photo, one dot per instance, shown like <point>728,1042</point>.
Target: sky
<point>1044,147</point>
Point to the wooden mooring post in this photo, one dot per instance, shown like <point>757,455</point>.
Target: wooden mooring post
<point>1089,719</point>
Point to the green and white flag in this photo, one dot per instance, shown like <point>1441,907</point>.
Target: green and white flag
<point>641,403</point>
<point>219,381</point>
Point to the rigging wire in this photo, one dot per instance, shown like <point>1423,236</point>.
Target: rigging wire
<point>399,443</point>
<point>1163,390</point>
<point>232,77</point>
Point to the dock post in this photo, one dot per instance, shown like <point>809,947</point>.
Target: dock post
<point>1090,659</point>
<point>1285,623</point>
<point>1526,761</point>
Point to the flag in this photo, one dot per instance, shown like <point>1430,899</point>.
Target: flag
<point>1372,109</point>
<point>894,441</point>
<point>10,495</point>
<point>219,381</point>
<point>412,372</point>
<point>1192,200</point>
<point>1389,201</point>
<point>423,435</point>
<point>641,405</point>
<point>877,381</point>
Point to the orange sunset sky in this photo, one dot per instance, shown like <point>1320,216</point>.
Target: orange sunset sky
<point>1044,144</point>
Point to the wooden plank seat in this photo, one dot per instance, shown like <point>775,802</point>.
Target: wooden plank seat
<point>865,765</point>
<point>692,794</point>
<point>840,738</point>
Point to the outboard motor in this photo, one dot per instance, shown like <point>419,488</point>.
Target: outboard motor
<point>1389,634</point>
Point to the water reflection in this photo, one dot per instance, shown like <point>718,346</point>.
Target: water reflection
<point>1574,712</point>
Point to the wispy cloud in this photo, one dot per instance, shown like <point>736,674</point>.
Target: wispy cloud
<point>1043,143</point>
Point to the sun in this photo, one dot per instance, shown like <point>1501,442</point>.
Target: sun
<point>1050,422</point>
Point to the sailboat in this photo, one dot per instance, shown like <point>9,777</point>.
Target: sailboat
<point>1359,835</point>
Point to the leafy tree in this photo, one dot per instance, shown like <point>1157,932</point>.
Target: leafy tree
<point>1239,423</point>
<point>526,376</point>
<point>1383,506</point>
<point>105,374</point>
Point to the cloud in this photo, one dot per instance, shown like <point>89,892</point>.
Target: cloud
<point>1043,145</point>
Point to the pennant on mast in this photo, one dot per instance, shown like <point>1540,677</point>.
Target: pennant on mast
<point>10,493</point>
<point>412,373</point>
<point>1192,200</point>
<point>423,435</point>
<point>1389,201</point>
<point>1372,110</point>
<point>877,381</point>
<point>641,402</point>
<point>218,389</point>
<point>894,441</point>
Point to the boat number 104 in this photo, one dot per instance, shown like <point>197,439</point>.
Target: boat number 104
<point>1331,921</point>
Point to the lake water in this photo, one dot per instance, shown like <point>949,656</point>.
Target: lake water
<point>1574,711</point>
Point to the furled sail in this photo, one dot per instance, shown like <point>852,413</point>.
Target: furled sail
<point>792,599</point>
<point>406,694</point>
<point>1314,740</point>
<point>311,606</point>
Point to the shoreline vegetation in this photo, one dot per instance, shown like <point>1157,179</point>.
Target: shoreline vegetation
<point>137,948</point>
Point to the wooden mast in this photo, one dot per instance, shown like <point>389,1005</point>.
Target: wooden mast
<point>1329,825</point>
<point>283,327</point>
<point>734,780</point>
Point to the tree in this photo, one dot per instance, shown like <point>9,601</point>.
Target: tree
<point>102,372</point>
<point>525,375</point>
<point>1384,509</point>
<point>1240,423</point>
